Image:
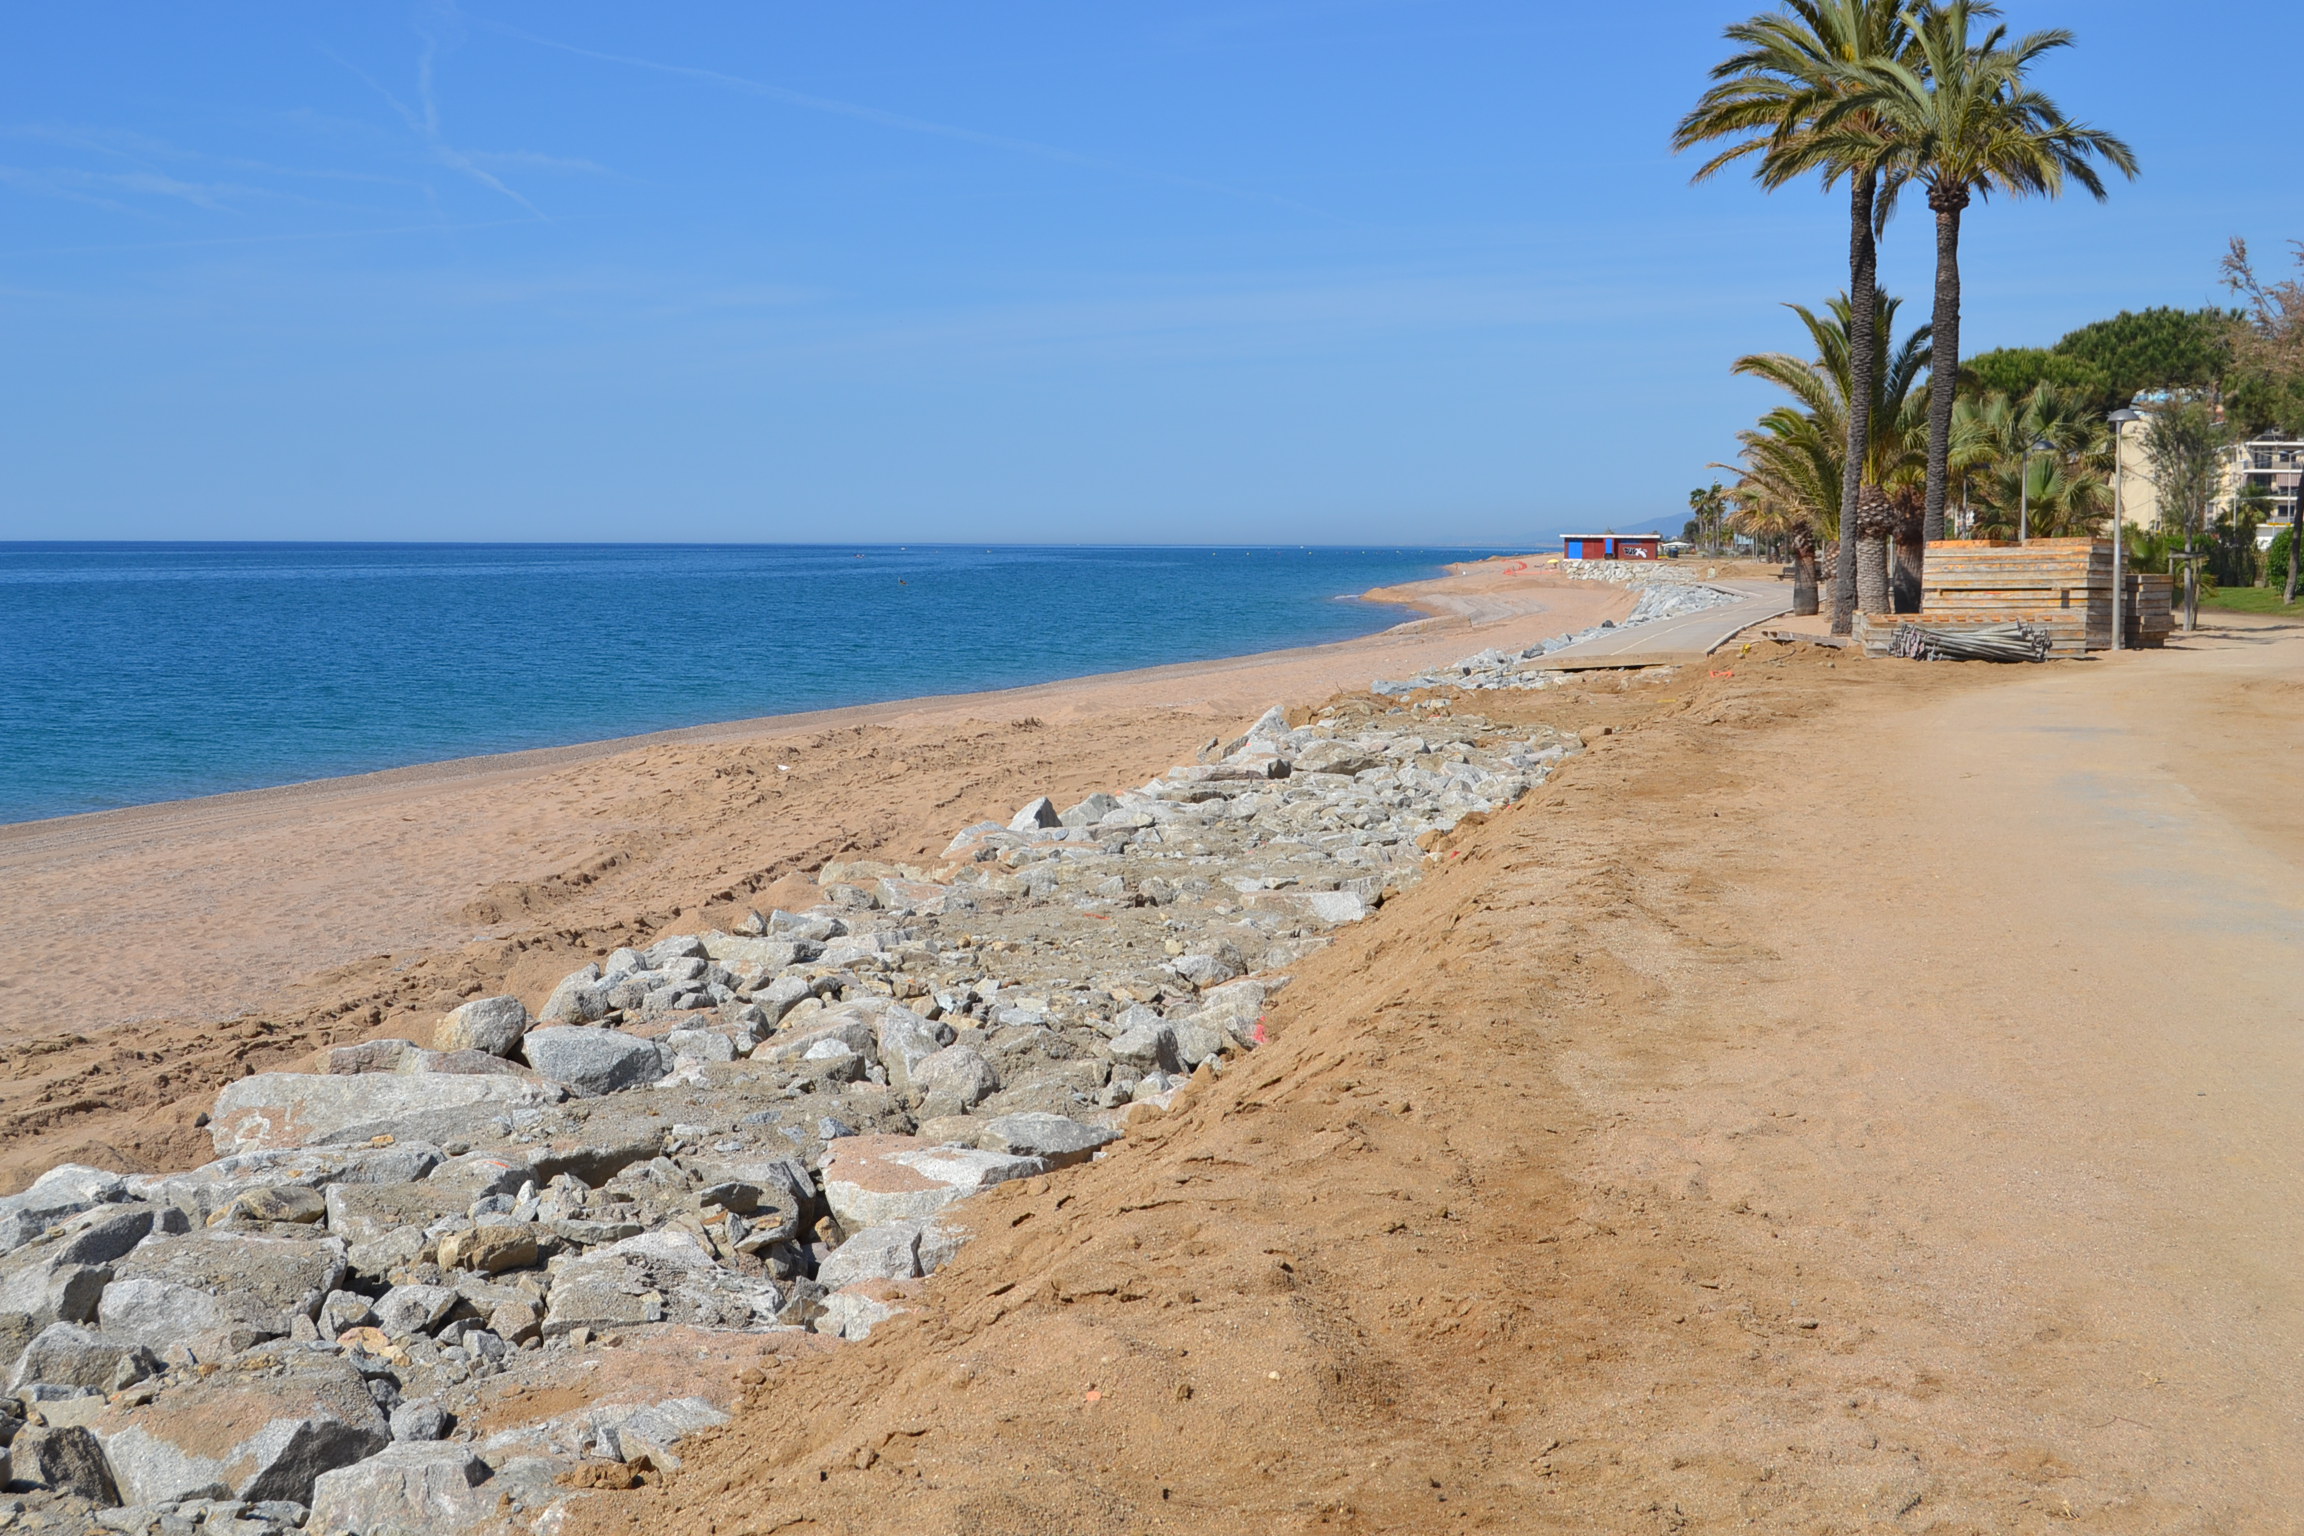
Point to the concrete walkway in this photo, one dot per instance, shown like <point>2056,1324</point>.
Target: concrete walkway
<point>1695,634</point>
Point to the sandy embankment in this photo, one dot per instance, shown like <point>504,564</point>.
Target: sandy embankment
<point>1855,1096</point>
<point>245,930</point>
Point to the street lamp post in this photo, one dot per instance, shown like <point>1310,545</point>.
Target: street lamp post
<point>2119,419</point>
<point>2024,492</point>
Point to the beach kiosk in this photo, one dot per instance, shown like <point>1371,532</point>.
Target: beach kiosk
<point>1611,546</point>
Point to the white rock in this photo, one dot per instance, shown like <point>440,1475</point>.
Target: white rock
<point>433,1488</point>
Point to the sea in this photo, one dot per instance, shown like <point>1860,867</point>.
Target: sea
<point>132,673</point>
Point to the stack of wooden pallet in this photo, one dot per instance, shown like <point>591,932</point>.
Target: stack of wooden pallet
<point>2147,616</point>
<point>2062,585</point>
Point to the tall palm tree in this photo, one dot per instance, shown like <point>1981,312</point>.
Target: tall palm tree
<point>1794,71</point>
<point>1965,122</point>
<point>1781,455</point>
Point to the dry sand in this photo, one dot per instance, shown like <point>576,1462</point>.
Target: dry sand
<point>165,950</point>
<point>1857,1095</point>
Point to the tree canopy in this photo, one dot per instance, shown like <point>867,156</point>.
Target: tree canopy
<point>2110,362</point>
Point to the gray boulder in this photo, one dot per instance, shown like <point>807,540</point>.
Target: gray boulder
<point>275,1110</point>
<point>406,1491</point>
<point>236,1437</point>
<point>1204,970</point>
<point>592,1062</point>
<point>62,1191</point>
<point>421,1421</point>
<point>66,1355</point>
<point>408,1310</point>
<point>906,1040</point>
<point>1147,1048</point>
<point>581,998</point>
<point>1058,1140</point>
<point>846,1025</point>
<point>218,1291</point>
<point>872,1181</point>
<point>952,1080</point>
<point>491,1024</point>
<point>679,946</point>
<point>212,1187</point>
<point>663,1276</point>
<point>1090,811</point>
<point>63,1460</point>
<point>891,1252</point>
<point>1040,813</point>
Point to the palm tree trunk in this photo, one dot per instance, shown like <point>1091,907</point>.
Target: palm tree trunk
<point>1870,526</point>
<point>1804,573</point>
<point>1910,562</point>
<point>1944,354</point>
<point>1863,374</point>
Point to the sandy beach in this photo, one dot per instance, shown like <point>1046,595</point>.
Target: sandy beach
<point>181,945</point>
<point>1848,1094</point>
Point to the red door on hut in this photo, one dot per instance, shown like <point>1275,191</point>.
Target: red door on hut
<point>1611,546</point>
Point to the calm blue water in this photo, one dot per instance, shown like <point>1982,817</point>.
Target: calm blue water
<point>132,673</point>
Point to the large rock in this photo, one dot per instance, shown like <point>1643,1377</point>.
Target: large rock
<point>492,1250</point>
<point>756,954</point>
<point>1054,1139</point>
<point>491,1024</point>
<point>871,1181</point>
<point>218,1291</point>
<point>239,1437</point>
<point>581,998</point>
<point>663,1276</point>
<point>274,1110</point>
<point>407,1310</point>
<point>1147,1048</point>
<point>846,1024</point>
<point>368,1213</point>
<point>203,1191</point>
<point>854,1312</point>
<point>952,1080</point>
<point>60,1277</point>
<point>412,1489</point>
<point>891,1252</point>
<point>66,1355</point>
<point>63,1460</point>
<point>905,1040</point>
<point>62,1191</point>
<point>595,1061</point>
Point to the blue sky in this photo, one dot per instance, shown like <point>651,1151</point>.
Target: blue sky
<point>1299,270</point>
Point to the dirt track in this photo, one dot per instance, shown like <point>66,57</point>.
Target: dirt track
<point>1853,1095</point>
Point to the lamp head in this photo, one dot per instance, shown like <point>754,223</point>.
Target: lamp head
<point>2125,415</point>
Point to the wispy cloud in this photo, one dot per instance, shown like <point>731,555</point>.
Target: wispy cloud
<point>92,186</point>
<point>904,123</point>
<point>528,159</point>
<point>430,227</point>
<point>423,120</point>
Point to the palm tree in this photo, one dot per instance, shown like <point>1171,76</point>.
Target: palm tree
<point>2044,460</point>
<point>1796,70</point>
<point>1780,456</point>
<point>1708,503</point>
<point>1964,122</point>
<point>1788,487</point>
